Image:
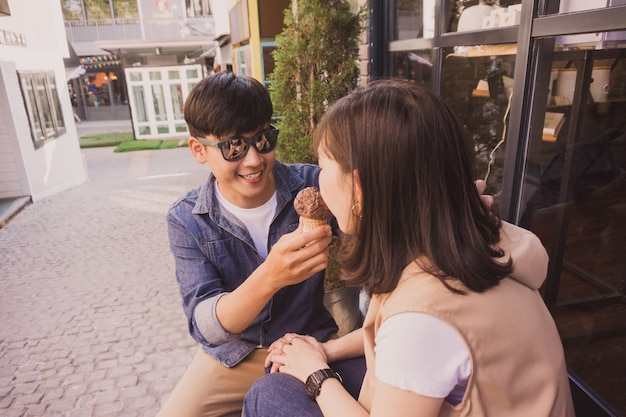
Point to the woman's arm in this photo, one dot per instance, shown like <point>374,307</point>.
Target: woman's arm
<point>392,401</point>
<point>346,347</point>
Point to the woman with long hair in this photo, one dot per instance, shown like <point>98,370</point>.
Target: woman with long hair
<point>456,325</point>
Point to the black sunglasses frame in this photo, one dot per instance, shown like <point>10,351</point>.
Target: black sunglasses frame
<point>271,136</point>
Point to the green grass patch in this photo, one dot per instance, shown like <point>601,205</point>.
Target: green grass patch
<point>126,142</point>
<point>147,144</point>
<point>104,139</point>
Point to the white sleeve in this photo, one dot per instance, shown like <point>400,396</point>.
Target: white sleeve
<point>421,353</point>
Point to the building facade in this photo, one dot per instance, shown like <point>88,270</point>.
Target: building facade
<point>138,60</point>
<point>39,149</point>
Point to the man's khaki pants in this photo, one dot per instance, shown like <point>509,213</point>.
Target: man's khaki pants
<point>209,389</point>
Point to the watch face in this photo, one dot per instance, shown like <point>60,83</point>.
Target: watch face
<point>311,386</point>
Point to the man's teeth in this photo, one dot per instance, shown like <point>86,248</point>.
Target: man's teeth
<point>251,176</point>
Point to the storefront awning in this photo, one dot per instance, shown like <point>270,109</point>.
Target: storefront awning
<point>177,46</point>
<point>71,73</point>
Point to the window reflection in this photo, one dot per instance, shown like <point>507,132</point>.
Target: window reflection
<point>414,19</point>
<point>477,85</point>
<point>575,201</point>
<point>415,66</point>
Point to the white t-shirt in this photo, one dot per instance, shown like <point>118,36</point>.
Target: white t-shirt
<point>421,353</point>
<point>257,220</point>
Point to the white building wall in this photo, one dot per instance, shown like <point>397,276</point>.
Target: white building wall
<point>57,165</point>
<point>13,178</point>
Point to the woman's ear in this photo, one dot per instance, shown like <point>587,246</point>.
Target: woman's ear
<point>197,150</point>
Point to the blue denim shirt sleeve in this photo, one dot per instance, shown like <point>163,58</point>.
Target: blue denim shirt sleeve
<point>214,254</point>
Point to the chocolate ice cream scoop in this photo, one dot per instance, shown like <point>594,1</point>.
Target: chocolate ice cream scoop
<point>310,205</point>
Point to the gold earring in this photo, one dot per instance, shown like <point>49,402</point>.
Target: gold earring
<point>356,205</point>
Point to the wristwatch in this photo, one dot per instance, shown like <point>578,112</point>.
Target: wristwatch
<point>315,380</point>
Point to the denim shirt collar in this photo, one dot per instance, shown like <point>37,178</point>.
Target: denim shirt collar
<point>287,182</point>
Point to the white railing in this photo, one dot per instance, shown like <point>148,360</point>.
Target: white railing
<point>147,29</point>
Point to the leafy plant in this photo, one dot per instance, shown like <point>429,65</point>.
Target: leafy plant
<point>315,64</point>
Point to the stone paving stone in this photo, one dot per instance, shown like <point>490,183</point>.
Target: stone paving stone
<point>90,317</point>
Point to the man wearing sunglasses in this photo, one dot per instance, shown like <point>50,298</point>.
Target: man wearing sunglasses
<point>247,272</point>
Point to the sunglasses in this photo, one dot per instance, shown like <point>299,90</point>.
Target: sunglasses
<point>235,149</point>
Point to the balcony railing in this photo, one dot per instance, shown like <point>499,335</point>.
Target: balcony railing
<point>147,29</point>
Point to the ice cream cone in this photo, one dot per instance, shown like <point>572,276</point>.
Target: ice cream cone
<point>310,224</point>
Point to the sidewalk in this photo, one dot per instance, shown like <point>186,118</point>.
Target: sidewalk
<point>91,322</point>
<point>10,207</point>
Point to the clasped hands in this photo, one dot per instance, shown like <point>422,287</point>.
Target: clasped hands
<point>296,355</point>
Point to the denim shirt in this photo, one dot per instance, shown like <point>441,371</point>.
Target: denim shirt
<point>214,254</point>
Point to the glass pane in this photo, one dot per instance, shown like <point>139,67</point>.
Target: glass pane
<point>181,128</point>
<point>158,100</point>
<point>125,9</point>
<point>173,75</point>
<point>39,81</point>
<point>31,107</point>
<point>415,66</point>
<point>56,105</point>
<point>192,73</point>
<point>140,104</point>
<point>574,199</point>
<point>176,91</point>
<point>569,6</point>
<point>155,75</point>
<point>144,130</point>
<point>163,129</point>
<point>98,9</point>
<point>72,9</point>
<point>477,84</point>
<point>414,19</point>
<point>118,90</point>
<point>596,40</point>
<point>470,15</point>
<point>136,76</point>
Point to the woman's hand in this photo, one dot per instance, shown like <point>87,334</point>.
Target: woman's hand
<point>487,199</point>
<point>297,355</point>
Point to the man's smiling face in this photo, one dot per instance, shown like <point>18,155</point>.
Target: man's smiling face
<point>247,182</point>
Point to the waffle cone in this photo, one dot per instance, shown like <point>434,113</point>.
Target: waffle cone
<point>310,224</point>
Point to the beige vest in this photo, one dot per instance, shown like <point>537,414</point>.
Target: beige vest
<point>518,365</point>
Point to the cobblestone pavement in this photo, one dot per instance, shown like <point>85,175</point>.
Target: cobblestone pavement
<point>91,322</point>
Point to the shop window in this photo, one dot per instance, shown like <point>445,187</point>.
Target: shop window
<point>42,104</point>
<point>103,89</point>
<point>98,9</point>
<point>574,199</point>
<point>125,9</point>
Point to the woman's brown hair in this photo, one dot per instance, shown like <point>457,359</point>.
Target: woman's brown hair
<point>419,200</point>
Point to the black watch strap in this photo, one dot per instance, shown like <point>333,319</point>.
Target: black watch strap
<point>315,380</point>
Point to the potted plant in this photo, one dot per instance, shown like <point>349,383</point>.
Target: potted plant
<point>341,300</point>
